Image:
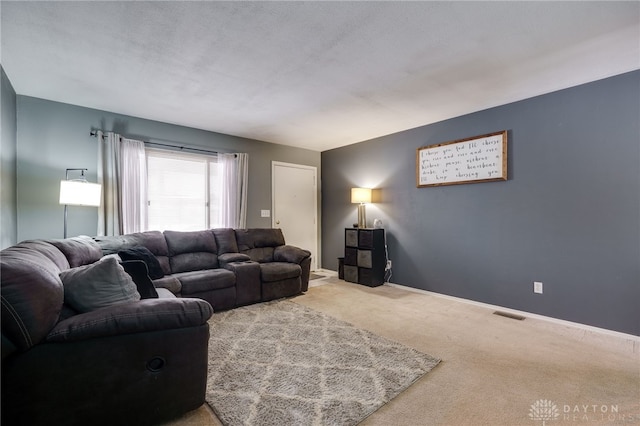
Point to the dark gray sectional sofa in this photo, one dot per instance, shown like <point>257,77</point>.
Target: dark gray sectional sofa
<point>143,360</point>
<point>226,267</point>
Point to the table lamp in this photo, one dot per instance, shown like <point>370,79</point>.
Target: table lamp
<point>361,196</point>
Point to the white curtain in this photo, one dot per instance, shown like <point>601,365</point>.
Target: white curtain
<point>122,174</point>
<point>133,186</point>
<point>108,177</point>
<point>234,181</point>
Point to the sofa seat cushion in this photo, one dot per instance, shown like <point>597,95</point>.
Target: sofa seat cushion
<point>277,271</point>
<point>206,280</point>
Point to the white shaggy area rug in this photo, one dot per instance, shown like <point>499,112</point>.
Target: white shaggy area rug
<point>281,363</point>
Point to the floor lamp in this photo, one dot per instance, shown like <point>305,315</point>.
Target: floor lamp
<point>78,192</point>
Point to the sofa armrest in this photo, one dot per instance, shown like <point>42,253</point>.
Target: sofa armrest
<point>290,254</point>
<point>144,315</point>
<point>227,258</point>
<point>169,282</point>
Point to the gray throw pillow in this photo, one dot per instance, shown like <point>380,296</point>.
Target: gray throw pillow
<point>103,283</point>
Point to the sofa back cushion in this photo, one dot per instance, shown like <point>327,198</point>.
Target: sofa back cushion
<point>225,240</point>
<point>44,248</point>
<point>156,243</point>
<point>32,294</point>
<point>79,251</point>
<point>259,243</point>
<point>260,254</point>
<point>191,251</point>
<point>152,240</point>
<point>112,244</point>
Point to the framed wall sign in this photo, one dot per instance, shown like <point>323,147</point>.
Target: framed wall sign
<point>472,160</point>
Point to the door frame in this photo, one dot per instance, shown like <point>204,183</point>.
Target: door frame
<point>314,169</point>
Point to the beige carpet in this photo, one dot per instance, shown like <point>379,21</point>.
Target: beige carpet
<point>281,363</point>
<point>494,370</point>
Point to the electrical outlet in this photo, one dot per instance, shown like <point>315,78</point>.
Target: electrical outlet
<point>537,287</point>
<point>388,265</point>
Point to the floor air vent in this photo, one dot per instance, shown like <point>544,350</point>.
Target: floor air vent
<point>509,315</point>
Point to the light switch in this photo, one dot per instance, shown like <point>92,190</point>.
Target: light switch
<point>265,213</point>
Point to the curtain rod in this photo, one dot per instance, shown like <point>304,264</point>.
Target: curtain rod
<point>94,133</point>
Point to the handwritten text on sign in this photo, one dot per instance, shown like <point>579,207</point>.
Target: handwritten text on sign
<point>478,159</point>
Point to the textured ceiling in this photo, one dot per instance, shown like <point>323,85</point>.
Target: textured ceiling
<point>316,75</point>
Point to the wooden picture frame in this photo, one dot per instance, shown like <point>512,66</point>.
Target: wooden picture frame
<point>472,160</point>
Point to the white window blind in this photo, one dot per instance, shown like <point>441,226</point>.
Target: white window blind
<point>183,191</point>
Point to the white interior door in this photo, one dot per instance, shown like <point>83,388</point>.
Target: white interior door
<point>295,207</point>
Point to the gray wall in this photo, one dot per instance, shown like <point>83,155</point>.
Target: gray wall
<point>8,138</point>
<point>53,136</point>
<point>569,214</point>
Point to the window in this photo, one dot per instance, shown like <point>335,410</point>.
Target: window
<point>183,191</point>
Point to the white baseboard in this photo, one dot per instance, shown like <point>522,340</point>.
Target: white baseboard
<point>523,313</point>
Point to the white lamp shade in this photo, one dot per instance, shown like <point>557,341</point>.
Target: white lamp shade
<point>80,193</point>
<point>361,195</point>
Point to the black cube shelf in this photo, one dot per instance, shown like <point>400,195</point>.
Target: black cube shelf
<point>364,256</point>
